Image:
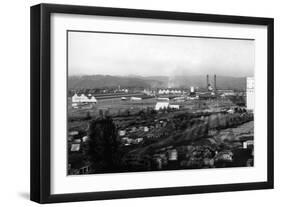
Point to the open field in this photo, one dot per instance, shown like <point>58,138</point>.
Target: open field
<point>116,106</point>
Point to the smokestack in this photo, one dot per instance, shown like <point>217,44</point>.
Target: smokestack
<point>207,81</point>
<point>215,83</point>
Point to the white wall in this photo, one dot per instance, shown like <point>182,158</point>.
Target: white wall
<point>250,93</point>
<point>14,150</point>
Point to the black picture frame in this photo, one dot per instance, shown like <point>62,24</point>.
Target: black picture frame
<point>40,102</point>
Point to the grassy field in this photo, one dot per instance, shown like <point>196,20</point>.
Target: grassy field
<point>116,105</point>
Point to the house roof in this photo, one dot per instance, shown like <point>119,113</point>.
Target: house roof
<point>160,105</point>
<point>75,147</point>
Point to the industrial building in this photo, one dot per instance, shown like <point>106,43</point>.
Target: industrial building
<point>211,92</point>
<point>165,105</point>
<point>161,105</point>
<point>169,91</point>
<point>209,86</point>
<point>250,93</point>
<point>136,98</point>
<point>83,98</point>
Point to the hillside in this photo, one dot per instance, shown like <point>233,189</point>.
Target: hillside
<point>107,81</point>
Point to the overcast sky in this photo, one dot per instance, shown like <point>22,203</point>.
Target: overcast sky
<point>146,55</point>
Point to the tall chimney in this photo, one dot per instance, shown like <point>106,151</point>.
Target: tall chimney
<point>207,81</point>
<point>215,83</point>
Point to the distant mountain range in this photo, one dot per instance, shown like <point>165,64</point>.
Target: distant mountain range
<point>107,81</point>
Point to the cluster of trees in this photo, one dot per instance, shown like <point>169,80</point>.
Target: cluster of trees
<point>102,148</point>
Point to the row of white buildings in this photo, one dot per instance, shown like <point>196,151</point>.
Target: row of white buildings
<point>82,98</point>
<point>165,105</point>
<point>168,91</point>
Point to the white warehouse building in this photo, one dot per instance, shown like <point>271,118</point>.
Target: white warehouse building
<point>250,93</point>
<point>161,105</point>
<point>165,105</point>
<point>83,99</point>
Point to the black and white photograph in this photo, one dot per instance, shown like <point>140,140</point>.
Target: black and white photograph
<point>133,103</point>
<point>153,102</point>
